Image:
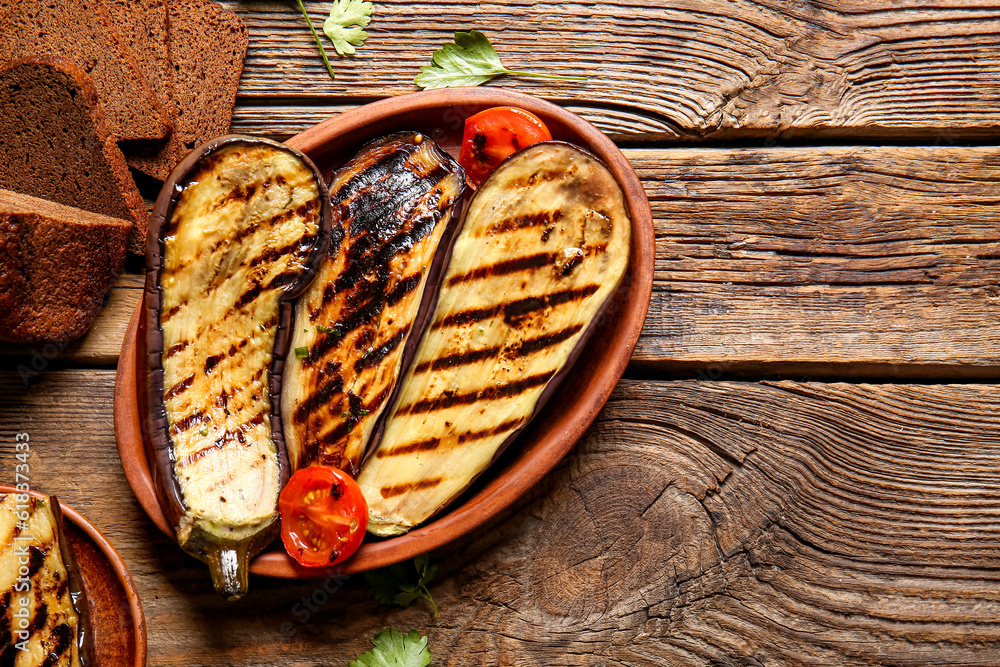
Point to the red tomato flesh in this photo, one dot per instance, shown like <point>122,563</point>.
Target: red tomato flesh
<point>492,135</point>
<point>324,516</point>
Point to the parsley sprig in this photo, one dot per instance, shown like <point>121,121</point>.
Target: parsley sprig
<point>394,649</point>
<point>403,583</point>
<point>345,27</point>
<point>469,61</point>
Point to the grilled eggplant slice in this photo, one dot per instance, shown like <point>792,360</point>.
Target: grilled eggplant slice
<point>43,606</point>
<point>545,242</point>
<point>391,205</point>
<point>237,231</point>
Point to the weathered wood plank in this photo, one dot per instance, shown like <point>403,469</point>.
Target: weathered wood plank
<point>697,523</point>
<point>878,261</point>
<point>840,260</point>
<point>666,70</point>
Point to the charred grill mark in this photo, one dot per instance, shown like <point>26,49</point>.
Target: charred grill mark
<point>249,295</point>
<point>187,422</point>
<point>390,161</point>
<point>366,254</point>
<point>422,446</point>
<point>60,641</point>
<point>282,279</point>
<point>36,558</point>
<point>450,399</point>
<point>256,289</point>
<point>227,437</point>
<point>212,361</point>
<point>541,342</point>
<point>236,347</point>
<point>167,314</point>
<point>362,315</point>
<point>400,489</point>
<point>540,219</point>
<point>320,397</point>
<point>527,347</point>
<point>375,357</point>
<point>269,322</point>
<point>337,435</point>
<point>525,263</point>
<point>402,288</point>
<point>514,310</point>
<point>41,613</point>
<point>176,348</point>
<point>293,248</point>
<point>178,388</point>
<point>570,264</point>
<point>459,359</point>
<point>434,443</point>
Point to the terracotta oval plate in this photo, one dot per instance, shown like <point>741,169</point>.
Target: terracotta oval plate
<point>116,618</point>
<point>441,115</point>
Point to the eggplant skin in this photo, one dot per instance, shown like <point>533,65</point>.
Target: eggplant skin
<point>391,205</point>
<point>544,244</point>
<point>56,631</point>
<point>237,232</point>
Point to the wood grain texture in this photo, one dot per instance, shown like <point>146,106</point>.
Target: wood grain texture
<point>698,523</point>
<point>872,261</point>
<point>667,69</point>
<point>839,260</point>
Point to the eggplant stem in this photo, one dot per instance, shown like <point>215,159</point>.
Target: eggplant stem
<point>229,572</point>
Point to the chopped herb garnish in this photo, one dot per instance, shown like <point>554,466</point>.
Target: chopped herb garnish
<point>302,352</point>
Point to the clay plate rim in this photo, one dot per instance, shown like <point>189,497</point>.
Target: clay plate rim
<point>131,596</point>
<point>553,433</point>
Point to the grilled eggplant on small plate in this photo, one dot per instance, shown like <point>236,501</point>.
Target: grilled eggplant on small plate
<point>64,592</point>
<point>440,115</point>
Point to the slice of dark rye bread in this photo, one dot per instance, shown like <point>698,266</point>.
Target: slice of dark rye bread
<point>208,45</point>
<point>143,25</point>
<point>54,143</point>
<point>56,265</point>
<point>81,31</point>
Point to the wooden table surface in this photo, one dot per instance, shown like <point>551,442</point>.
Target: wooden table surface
<point>802,462</point>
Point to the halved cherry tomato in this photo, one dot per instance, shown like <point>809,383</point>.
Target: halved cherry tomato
<point>492,135</point>
<point>323,516</point>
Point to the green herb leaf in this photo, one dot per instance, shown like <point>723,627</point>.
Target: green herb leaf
<point>346,24</point>
<point>329,330</point>
<point>302,352</point>
<point>394,649</point>
<point>403,583</point>
<point>469,61</point>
